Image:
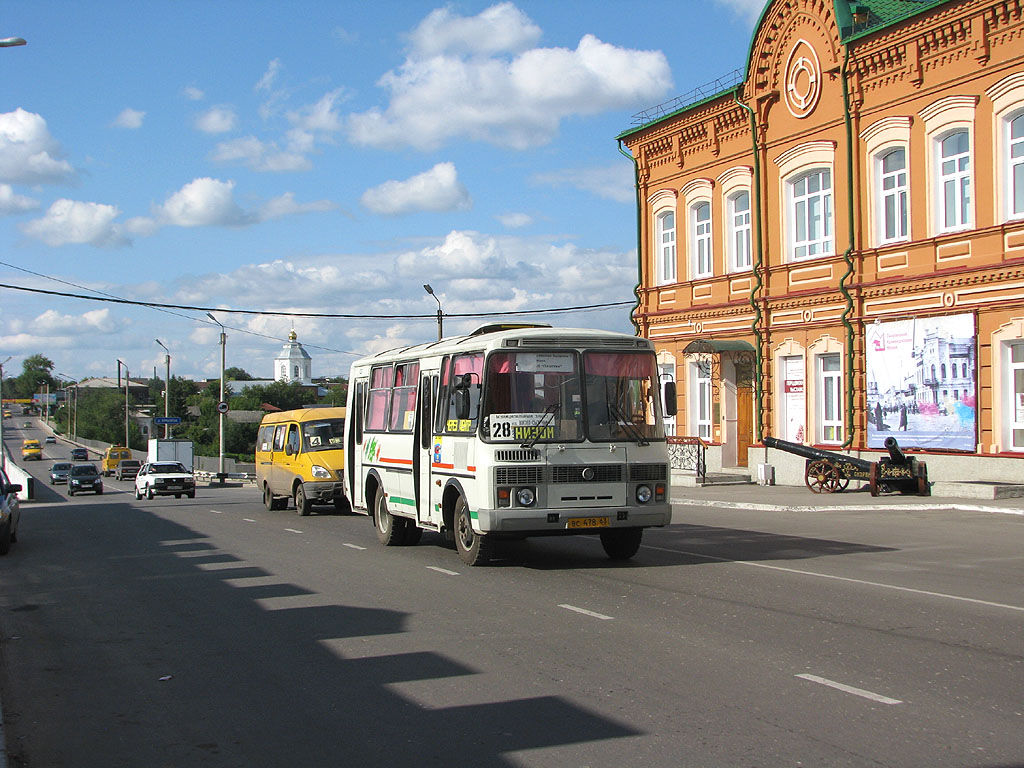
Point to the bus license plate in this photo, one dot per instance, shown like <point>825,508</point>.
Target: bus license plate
<point>587,522</point>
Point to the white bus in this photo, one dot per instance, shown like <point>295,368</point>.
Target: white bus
<point>511,431</point>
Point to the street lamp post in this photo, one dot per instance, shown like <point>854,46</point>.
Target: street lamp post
<point>167,390</point>
<point>223,344</point>
<point>440,315</point>
<point>3,451</point>
<point>68,403</point>
<point>127,380</point>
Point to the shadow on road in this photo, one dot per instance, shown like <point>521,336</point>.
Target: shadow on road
<point>127,639</point>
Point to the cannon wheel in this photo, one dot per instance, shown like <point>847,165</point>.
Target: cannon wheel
<point>873,478</point>
<point>822,476</point>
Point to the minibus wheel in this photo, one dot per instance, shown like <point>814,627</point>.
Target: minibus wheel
<point>302,504</point>
<point>621,543</point>
<point>474,548</point>
<point>390,529</point>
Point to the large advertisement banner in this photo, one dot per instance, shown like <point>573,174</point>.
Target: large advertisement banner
<point>922,377</point>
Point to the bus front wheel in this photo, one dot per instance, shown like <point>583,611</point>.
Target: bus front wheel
<point>621,543</point>
<point>474,548</point>
<point>390,529</point>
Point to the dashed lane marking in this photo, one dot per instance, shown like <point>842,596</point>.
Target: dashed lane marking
<point>292,530</point>
<point>445,571</point>
<point>585,612</point>
<point>354,546</point>
<point>850,689</point>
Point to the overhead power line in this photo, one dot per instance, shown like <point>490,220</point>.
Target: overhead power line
<point>339,316</point>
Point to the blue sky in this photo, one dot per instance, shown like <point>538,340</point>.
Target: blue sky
<point>324,158</point>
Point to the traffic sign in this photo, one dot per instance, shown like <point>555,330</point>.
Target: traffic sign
<point>222,407</point>
<point>167,420</point>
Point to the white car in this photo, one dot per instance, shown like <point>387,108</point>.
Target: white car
<point>164,478</point>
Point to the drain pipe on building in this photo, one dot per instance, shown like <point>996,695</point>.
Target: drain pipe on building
<point>755,327</point>
<point>639,251</point>
<point>848,255</point>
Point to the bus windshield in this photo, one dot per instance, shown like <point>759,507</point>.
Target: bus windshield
<point>622,396</point>
<point>533,397</point>
<point>323,435</point>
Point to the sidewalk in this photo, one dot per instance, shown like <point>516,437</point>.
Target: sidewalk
<point>801,499</point>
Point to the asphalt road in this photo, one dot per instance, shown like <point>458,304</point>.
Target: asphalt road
<point>213,632</point>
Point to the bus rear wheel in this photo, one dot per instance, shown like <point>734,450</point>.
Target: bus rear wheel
<point>390,529</point>
<point>302,503</point>
<point>621,543</point>
<point>474,548</point>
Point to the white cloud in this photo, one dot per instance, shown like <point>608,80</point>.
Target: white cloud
<point>456,84</point>
<point>28,153</point>
<point>437,190</point>
<point>52,323</point>
<point>259,155</point>
<point>497,29</point>
<point>202,202</point>
<point>515,220</point>
<point>613,182</point>
<point>192,93</point>
<point>220,119</point>
<point>69,222</point>
<point>11,203</point>
<point>285,205</point>
<point>266,82</point>
<point>747,9</point>
<point>129,118</point>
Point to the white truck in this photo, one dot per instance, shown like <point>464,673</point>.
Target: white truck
<point>170,450</point>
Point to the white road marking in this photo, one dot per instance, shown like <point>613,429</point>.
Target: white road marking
<point>292,530</point>
<point>248,520</point>
<point>585,612</point>
<point>216,512</point>
<point>445,571</point>
<point>354,546</point>
<point>850,689</point>
<point>925,592</point>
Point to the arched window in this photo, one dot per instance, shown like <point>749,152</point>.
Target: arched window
<point>739,231</point>
<point>700,216</point>
<point>665,257</point>
<point>954,181</point>
<point>811,214</point>
<point>893,180</point>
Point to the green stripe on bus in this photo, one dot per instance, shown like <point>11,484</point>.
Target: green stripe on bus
<point>400,500</point>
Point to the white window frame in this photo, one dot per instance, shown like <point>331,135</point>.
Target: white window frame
<point>666,256</point>
<point>1014,169</point>
<point>805,244</point>
<point>701,240</point>
<point>893,198</point>
<point>943,118</point>
<point>953,174</point>
<point>740,255</point>
<point>1015,422</point>
<point>830,399</point>
<point>700,376</point>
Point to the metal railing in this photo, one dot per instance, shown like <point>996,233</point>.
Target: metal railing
<point>699,93</point>
<point>688,454</point>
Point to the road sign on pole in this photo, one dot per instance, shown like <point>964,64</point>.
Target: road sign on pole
<point>167,419</point>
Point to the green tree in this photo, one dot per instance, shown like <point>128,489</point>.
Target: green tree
<point>101,417</point>
<point>279,394</point>
<point>337,394</point>
<point>237,374</point>
<point>36,373</point>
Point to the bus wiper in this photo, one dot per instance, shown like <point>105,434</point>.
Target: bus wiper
<point>551,410</point>
<point>628,426</point>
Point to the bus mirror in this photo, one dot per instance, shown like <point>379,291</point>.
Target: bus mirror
<point>461,404</point>
<point>288,450</point>
<point>670,398</point>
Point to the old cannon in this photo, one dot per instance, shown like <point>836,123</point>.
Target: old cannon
<point>828,472</point>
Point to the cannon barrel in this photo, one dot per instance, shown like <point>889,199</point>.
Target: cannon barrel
<point>813,453</point>
<point>895,454</point>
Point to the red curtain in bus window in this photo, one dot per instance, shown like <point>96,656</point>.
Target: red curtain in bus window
<point>626,365</point>
<point>470,364</point>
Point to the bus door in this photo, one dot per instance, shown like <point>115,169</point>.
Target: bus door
<point>423,450</point>
<point>354,448</point>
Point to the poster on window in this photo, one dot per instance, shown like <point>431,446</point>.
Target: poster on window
<point>921,377</point>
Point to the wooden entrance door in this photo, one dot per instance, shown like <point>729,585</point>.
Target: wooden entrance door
<point>744,423</point>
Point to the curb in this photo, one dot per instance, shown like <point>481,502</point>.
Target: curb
<point>852,507</point>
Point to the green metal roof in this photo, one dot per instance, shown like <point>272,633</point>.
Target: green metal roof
<point>880,14</point>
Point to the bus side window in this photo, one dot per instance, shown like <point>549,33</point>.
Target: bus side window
<point>279,435</point>
<point>293,440</point>
<point>358,403</point>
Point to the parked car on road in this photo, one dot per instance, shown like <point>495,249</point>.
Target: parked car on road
<point>10,513</point>
<point>59,472</point>
<point>79,454</point>
<point>31,449</point>
<point>127,469</point>
<point>84,478</point>
<point>163,478</point>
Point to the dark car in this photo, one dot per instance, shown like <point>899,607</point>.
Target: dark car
<point>10,513</point>
<point>84,478</point>
<point>59,472</point>
<point>79,454</point>
<point>127,469</point>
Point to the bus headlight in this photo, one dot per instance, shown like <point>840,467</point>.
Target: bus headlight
<point>526,497</point>
<point>644,493</point>
<point>320,472</point>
